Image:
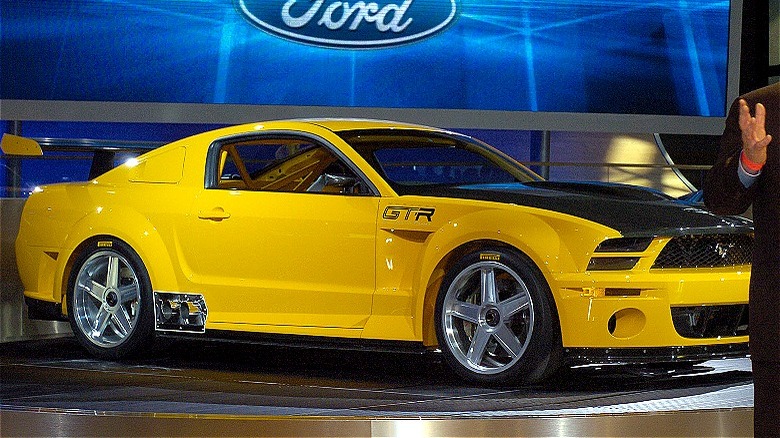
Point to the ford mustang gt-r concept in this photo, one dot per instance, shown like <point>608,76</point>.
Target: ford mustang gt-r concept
<point>359,233</point>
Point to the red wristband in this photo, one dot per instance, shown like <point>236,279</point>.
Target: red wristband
<point>750,165</point>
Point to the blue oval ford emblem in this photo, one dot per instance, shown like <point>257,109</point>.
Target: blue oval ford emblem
<point>354,25</point>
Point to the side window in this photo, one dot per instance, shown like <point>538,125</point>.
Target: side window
<point>285,165</point>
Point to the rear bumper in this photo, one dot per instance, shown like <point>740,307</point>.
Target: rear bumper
<point>38,268</point>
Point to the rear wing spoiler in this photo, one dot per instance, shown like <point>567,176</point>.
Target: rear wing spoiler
<point>104,151</point>
<point>20,146</point>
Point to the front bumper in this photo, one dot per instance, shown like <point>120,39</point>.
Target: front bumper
<point>667,308</point>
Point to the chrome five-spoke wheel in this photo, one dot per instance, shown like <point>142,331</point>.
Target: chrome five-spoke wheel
<point>488,315</point>
<point>109,296</point>
<point>487,318</point>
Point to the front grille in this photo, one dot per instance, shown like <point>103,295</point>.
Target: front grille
<point>711,321</point>
<point>706,251</point>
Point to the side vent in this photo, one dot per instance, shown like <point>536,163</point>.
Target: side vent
<point>179,312</point>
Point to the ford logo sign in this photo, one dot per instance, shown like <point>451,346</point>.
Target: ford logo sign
<point>351,25</point>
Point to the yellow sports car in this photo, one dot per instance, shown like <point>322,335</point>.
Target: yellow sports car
<point>374,234</point>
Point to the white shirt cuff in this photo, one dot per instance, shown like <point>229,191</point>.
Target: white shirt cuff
<point>746,177</point>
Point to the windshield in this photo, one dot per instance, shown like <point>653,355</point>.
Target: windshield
<point>412,160</point>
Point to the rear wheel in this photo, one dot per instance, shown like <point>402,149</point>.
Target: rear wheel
<point>110,300</point>
<point>495,321</point>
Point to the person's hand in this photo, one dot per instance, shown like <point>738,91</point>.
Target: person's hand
<point>754,137</point>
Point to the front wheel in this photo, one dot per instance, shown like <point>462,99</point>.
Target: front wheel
<point>495,320</point>
<point>110,300</point>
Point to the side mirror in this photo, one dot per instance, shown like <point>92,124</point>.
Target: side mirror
<point>329,180</point>
<point>339,181</point>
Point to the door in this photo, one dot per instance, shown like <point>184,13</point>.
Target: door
<point>285,237</point>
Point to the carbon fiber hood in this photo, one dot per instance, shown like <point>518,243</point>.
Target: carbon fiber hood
<point>631,210</point>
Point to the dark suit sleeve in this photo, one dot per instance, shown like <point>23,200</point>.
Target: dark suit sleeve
<point>723,190</point>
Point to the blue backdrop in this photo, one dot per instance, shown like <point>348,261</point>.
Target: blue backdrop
<point>665,57</point>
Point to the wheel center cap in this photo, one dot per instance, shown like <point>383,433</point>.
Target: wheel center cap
<point>112,298</point>
<point>492,317</point>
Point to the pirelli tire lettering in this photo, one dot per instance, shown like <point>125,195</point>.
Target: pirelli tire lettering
<point>490,257</point>
<point>394,212</point>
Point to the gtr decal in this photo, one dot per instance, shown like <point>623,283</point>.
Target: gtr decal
<point>394,212</point>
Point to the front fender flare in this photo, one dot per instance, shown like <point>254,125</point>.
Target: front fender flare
<point>540,235</point>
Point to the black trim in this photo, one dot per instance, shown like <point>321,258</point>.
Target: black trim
<point>44,310</point>
<point>300,341</point>
<point>573,356</point>
<point>700,322</point>
<point>697,353</point>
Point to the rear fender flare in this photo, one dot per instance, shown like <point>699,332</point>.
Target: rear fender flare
<point>135,230</point>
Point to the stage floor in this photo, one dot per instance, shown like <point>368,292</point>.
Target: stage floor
<point>196,388</point>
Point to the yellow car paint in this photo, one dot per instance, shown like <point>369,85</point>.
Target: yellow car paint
<point>366,267</point>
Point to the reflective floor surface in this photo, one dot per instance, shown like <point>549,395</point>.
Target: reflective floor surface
<point>195,388</point>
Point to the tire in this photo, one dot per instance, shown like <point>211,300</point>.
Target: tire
<point>495,319</point>
<point>109,299</point>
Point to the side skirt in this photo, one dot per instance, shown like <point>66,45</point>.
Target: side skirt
<point>316,342</point>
